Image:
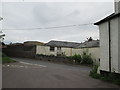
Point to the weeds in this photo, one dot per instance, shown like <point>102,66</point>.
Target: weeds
<point>110,77</point>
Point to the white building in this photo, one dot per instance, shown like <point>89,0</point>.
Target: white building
<point>57,48</point>
<point>61,48</point>
<point>110,41</point>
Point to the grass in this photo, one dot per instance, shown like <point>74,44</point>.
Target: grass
<point>6,59</point>
<point>110,77</point>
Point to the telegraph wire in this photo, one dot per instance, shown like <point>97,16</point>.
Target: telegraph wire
<point>52,27</point>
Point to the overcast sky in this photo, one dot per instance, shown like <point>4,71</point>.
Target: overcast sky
<point>29,15</point>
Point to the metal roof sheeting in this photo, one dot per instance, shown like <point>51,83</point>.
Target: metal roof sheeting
<point>89,44</point>
<point>62,44</point>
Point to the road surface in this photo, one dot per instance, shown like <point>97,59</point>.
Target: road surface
<point>28,73</point>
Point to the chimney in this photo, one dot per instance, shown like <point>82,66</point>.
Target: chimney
<point>117,6</point>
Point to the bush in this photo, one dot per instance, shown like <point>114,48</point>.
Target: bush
<point>76,57</point>
<point>86,58</point>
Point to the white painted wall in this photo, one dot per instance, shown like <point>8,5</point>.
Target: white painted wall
<point>67,51</point>
<point>119,45</point>
<point>115,45</point>
<point>77,51</point>
<point>45,50</point>
<point>104,47</point>
<point>95,52</point>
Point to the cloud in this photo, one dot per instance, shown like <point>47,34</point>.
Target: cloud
<point>45,14</point>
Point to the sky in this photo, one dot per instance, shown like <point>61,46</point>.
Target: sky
<point>20,20</point>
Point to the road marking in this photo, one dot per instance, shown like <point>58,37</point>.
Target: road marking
<point>33,64</point>
<point>8,65</point>
<point>20,66</point>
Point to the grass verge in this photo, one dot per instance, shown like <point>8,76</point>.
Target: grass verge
<point>6,59</point>
<point>109,77</point>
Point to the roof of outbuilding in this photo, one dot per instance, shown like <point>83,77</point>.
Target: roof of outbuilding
<point>113,15</point>
<point>89,44</point>
<point>62,44</point>
<point>33,43</point>
<point>16,44</point>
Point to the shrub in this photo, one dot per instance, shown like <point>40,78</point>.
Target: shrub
<point>76,57</point>
<point>93,72</point>
<point>94,69</point>
<point>86,58</point>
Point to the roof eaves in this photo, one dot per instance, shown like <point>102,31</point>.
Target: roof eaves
<point>107,18</point>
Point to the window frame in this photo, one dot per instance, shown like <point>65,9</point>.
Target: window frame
<point>52,48</point>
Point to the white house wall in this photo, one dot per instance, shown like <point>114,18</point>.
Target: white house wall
<point>77,51</point>
<point>114,44</point>
<point>67,51</point>
<point>119,44</point>
<point>104,47</point>
<point>95,52</point>
<point>45,50</point>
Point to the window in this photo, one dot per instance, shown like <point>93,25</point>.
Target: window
<point>52,48</point>
<point>58,48</point>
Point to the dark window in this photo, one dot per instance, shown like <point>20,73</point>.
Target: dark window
<point>52,48</point>
<point>58,48</point>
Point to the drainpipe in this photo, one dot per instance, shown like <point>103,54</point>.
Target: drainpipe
<point>109,31</point>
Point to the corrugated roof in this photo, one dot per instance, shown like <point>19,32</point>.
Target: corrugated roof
<point>62,44</point>
<point>113,15</point>
<point>89,44</point>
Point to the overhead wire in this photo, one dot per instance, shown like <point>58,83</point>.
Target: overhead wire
<point>53,27</point>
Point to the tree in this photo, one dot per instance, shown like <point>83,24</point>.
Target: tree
<point>89,39</point>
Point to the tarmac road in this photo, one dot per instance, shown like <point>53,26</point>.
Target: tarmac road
<point>28,73</point>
